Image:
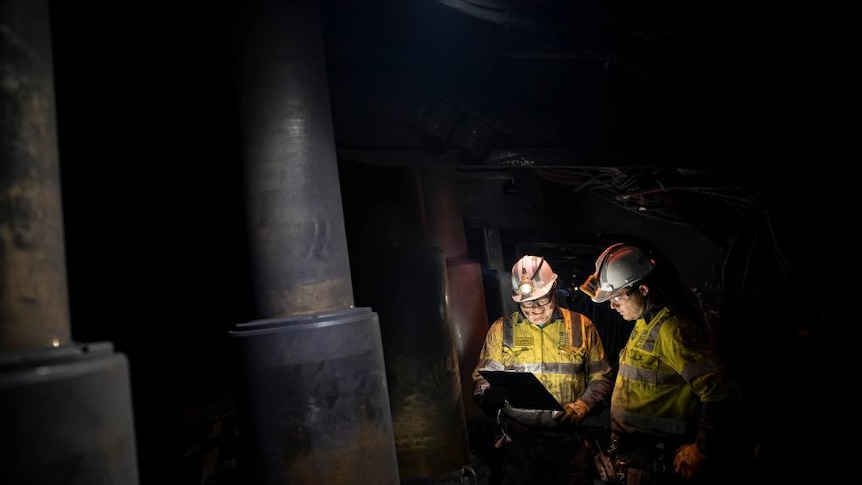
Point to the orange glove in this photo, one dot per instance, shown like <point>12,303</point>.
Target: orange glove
<point>688,461</point>
<point>575,413</point>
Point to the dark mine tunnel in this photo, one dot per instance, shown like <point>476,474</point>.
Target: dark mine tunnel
<point>261,242</point>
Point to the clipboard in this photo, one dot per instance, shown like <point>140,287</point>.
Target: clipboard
<point>521,389</point>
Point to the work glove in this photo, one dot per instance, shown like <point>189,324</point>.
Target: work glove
<point>575,413</point>
<point>534,418</point>
<point>480,385</point>
<point>688,461</point>
<point>488,399</point>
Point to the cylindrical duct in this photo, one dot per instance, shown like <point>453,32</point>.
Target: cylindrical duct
<point>318,404</point>
<point>66,416</point>
<point>34,309</point>
<point>468,318</point>
<point>468,315</point>
<point>65,409</point>
<point>315,381</point>
<point>409,290</point>
<point>296,225</point>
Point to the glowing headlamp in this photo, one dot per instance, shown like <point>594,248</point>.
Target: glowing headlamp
<point>527,287</point>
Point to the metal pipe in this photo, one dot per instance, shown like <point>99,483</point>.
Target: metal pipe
<point>34,308</point>
<point>316,402</point>
<point>65,408</point>
<point>408,287</point>
<point>468,316</point>
<point>293,200</point>
<point>66,416</point>
<point>315,394</point>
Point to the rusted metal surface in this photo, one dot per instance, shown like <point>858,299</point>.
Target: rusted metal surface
<point>314,376</point>
<point>468,316</point>
<point>65,409</point>
<point>408,289</point>
<point>316,401</point>
<point>34,310</point>
<point>66,416</point>
<point>295,219</point>
<point>468,319</point>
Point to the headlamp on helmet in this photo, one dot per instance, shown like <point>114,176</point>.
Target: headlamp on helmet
<point>532,278</point>
<point>589,286</point>
<point>526,287</point>
<point>619,267</point>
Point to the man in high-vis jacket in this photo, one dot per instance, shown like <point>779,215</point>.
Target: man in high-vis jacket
<point>673,401</point>
<point>562,348</point>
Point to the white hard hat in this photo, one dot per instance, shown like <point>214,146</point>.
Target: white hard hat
<point>619,267</point>
<point>532,278</point>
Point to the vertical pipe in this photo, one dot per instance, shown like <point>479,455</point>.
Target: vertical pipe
<point>34,310</point>
<point>409,288</point>
<point>296,225</point>
<point>65,408</point>
<point>404,279</point>
<point>315,394</point>
<point>468,313</point>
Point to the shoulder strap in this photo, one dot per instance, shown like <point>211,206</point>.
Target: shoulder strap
<point>576,334</point>
<point>508,331</point>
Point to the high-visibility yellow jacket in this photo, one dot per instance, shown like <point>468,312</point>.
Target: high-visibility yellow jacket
<point>667,373</point>
<point>565,354</point>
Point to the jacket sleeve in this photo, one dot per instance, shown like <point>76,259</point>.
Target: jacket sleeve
<point>491,355</point>
<point>598,369</point>
<point>490,358</point>
<point>692,356</point>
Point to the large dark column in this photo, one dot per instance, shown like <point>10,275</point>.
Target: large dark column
<point>65,408</point>
<point>408,287</point>
<point>468,315</point>
<point>315,392</point>
<point>404,279</point>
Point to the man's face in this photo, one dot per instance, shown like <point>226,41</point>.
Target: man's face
<point>538,311</point>
<point>630,304</point>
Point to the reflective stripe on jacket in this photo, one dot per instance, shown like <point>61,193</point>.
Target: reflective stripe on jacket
<point>566,354</point>
<point>667,368</point>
